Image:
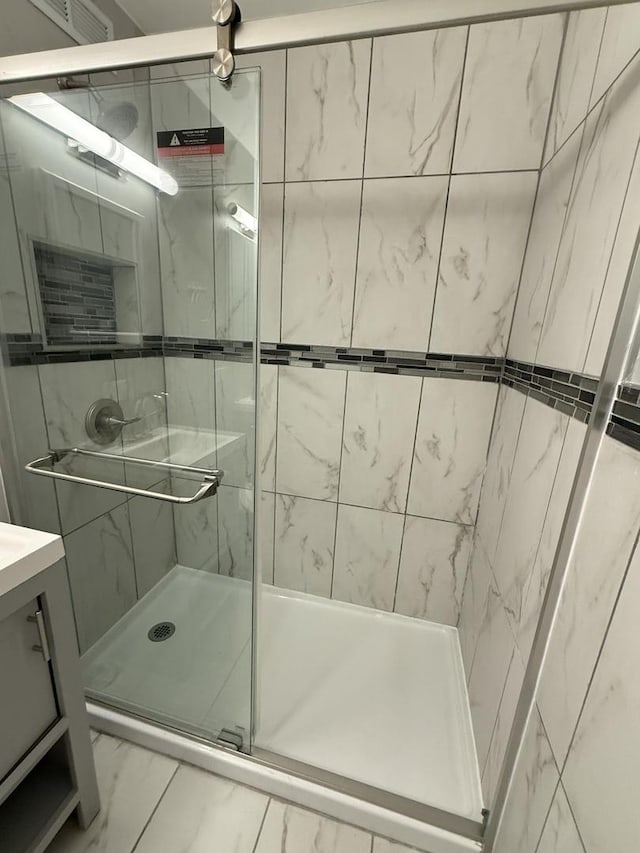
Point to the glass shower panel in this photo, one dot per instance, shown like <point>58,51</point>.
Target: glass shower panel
<point>129,325</point>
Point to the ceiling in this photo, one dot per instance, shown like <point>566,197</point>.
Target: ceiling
<point>162,16</point>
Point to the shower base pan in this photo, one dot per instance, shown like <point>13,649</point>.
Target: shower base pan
<point>374,697</point>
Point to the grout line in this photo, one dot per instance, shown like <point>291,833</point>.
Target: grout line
<point>605,634</point>
<point>575,821</point>
<point>262,822</point>
<point>155,808</point>
<point>359,231</point>
<point>536,195</point>
<point>634,164</point>
<point>548,812</point>
<point>449,176</point>
<point>337,501</point>
<point>275,471</point>
<point>284,188</point>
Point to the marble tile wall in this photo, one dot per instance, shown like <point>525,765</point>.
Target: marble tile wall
<point>371,240</point>
<point>584,221</point>
<point>372,484</point>
<point>578,249</point>
<point>573,788</point>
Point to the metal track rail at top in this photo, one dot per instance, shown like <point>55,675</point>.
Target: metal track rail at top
<point>210,477</point>
<point>364,20</point>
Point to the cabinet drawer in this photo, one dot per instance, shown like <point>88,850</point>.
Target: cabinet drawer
<point>27,705</point>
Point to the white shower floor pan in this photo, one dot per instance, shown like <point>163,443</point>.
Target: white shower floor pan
<point>375,697</point>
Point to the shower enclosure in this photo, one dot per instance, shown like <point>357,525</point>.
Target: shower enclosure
<point>320,535</point>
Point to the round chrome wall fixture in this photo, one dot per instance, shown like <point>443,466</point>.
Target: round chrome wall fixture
<point>104,421</point>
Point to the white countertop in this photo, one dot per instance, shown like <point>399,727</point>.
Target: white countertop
<point>24,553</point>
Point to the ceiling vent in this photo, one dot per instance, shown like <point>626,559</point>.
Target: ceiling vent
<point>80,19</point>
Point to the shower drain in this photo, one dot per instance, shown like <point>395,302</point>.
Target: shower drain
<point>161,631</point>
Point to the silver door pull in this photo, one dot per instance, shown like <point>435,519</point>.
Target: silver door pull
<point>43,647</point>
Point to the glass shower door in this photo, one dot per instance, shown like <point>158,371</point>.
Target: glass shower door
<point>129,207</point>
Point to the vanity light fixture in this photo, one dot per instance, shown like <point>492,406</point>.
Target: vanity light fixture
<point>88,136</point>
<point>244,222</point>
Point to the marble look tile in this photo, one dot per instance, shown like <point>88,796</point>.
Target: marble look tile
<point>289,829</point>
<point>271,222</point>
<point>534,784</point>
<point>367,556</point>
<point>508,418</point>
<point>433,567</point>
<point>532,476</point>
<point>474,603</point>
<point>484,241</point>
<point>613,504</point>
<point>235,264</point>
<point>268,379</point>
<point>542,247</point>
<point>600,775</point>
<point>327,87</point>
<point>179,99</point>
<point>451,448</point>
<point>319,262</point>
<point>517,58</point>
<point>185,223</point>
<point>190,393</point>
<point>560,834</point>
<point>67,392</point>
<point>235,413</point>
<point>558,503</point>
<point>267,523</point>
<point>400,236</point>
<point>575,75</point>
<point>489,671</point>
<point>413,103</point>
<point>304,540</point>
<point>616,276</point>
<point>602,174</point>
<point>502,728</point>
<point>200,811</point>
<point>235,530</point>
<point>131,781</point>
<point>619,45</point>
<point>140,384</point>
<point>196,531</point>
<point>377,446</point>
<point>101,574</point>
<point>36,504</point>
<point>13,294</point>
<point>154,541</point>
<point>310,416</point>
<point>272,81</point>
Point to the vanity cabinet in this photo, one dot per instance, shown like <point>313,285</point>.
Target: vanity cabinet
<point>46,761</point>
<point>28,705</point>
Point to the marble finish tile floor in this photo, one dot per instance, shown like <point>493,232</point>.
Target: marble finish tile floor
<point>154,803</point>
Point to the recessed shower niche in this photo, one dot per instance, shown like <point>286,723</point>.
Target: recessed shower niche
<point>83,258</point>
<point>84,299</point>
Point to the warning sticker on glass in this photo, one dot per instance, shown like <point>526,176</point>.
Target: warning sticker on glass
<point>195,156</point>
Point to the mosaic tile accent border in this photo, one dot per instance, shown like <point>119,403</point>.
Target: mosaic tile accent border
<point>21,350</point>
<point>624,423</point>
<point>570,393</point>
<point>399,362</point>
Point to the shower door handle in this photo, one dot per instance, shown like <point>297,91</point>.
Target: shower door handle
<point>209,484</point>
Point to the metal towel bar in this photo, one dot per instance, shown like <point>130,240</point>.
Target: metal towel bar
<point>211,477</point>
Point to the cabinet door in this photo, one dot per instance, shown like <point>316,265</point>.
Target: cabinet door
<point>27,699</point>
